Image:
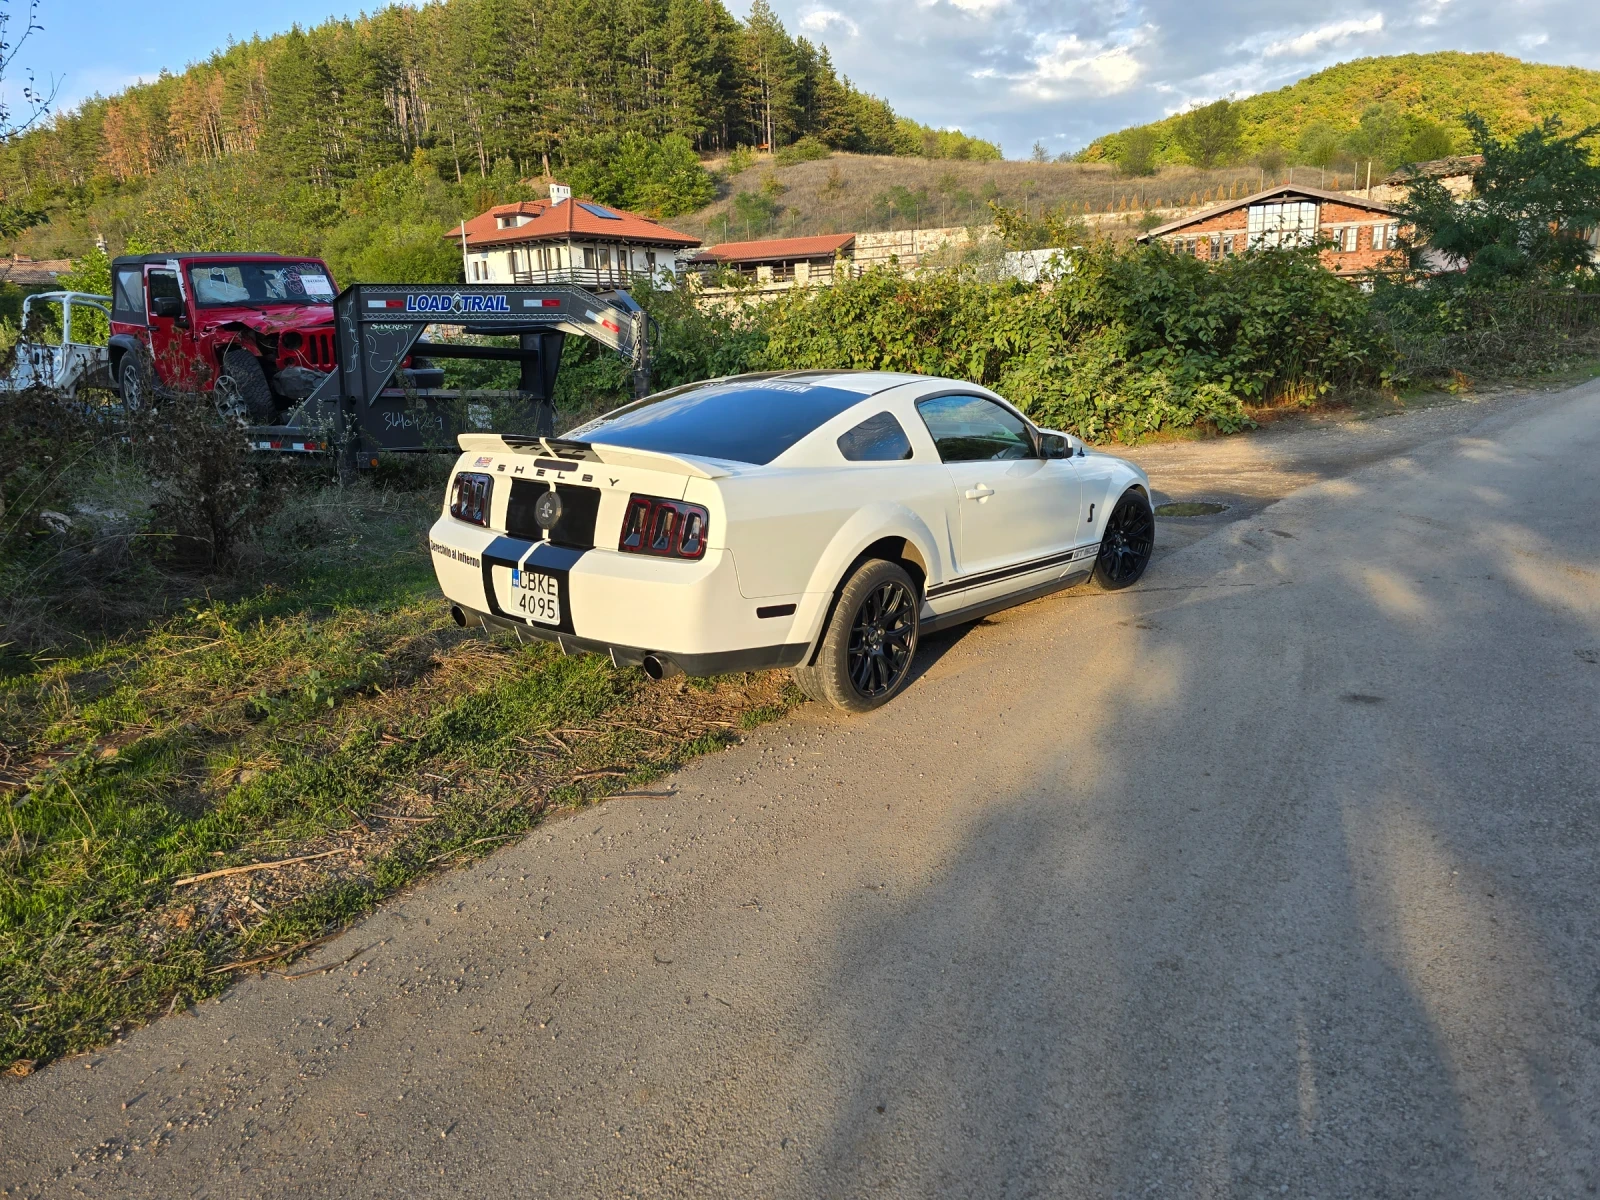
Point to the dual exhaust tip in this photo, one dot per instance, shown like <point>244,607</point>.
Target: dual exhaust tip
<point>656,666</point>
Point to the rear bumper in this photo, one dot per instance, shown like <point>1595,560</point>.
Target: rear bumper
<point>717,662</point>
<point>689,615</point>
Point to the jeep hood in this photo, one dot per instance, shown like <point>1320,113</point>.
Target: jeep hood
<point>279,320</point>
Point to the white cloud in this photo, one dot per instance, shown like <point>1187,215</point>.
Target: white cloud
<point>1335,33</point>
<point>979,6</point>
<point>821,20</point>
<point>1071,66</point>
<point>1532,41</point>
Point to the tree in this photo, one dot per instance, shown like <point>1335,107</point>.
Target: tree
<point>1137,154</point>
<point>1040,154</point>
<point>1536,198</point>
<point>1210,134</point>
<point>1429,140</point>
<point>662,176</point>
<point>1320,145</point>
<point>36,100</point>
<point>1380,138</point>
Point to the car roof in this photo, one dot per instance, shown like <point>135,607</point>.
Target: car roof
<point>247,256</point>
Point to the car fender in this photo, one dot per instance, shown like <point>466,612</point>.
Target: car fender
<point>870,524</point>
<point>1105,478</point>
<point>119,344</point>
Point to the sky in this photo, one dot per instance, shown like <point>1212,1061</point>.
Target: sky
<point>1013,71</point>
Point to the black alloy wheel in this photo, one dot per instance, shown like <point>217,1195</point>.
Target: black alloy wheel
<point>1125,547</point>
<point>882,637</point>
<point>864,657</point>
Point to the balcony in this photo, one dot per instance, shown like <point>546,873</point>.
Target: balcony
<point>595,278</point>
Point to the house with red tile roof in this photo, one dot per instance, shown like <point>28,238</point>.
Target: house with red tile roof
<point>565,240</point>
<point>779,263</point>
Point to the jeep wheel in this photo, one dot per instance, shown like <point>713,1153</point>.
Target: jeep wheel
<point>132,384</point>
<point>241,392</point>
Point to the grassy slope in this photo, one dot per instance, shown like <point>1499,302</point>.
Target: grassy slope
<point>335,709</point>
<point>1506,91</point>
<point>839,194</point>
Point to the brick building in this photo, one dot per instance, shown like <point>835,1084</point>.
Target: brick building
<point>1359,236</point>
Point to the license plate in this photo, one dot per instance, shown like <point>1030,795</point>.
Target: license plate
<point>532,595</point>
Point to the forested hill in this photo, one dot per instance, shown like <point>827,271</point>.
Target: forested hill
<point>1400,95</point>
<point>460,90</point>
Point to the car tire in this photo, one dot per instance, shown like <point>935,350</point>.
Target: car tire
<point>864,659</point>
<point>1126,543</point>
<point>133,383</point>
<point>241,392</point>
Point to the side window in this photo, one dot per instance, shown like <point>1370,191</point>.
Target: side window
<point>163,285</point>
<point>972,429</point>
<point>877,439</point>
<point>127,295</point>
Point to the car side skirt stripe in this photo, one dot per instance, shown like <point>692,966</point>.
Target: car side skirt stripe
<point>983,608</point>
<point>966,582</point>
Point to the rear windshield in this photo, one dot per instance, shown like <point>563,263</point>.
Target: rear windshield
<point>217,284</point>
<point>750,422</point>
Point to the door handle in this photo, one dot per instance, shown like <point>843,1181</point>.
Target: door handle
<point>980,492</point>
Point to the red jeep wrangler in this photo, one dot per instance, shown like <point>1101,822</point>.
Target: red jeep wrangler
<point>255,330</point>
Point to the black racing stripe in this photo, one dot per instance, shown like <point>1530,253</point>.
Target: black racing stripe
<point>554,560</point>
<point>966,582</point>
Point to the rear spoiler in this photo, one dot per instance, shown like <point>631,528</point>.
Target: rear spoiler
<point>561,448</point>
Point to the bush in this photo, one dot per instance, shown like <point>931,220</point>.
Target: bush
<point>208,493</point>
<point>1436,332</point>
<point>807,149</point>
<point>1133,340</point>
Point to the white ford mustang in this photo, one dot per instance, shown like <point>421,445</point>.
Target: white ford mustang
<point>818,520</point>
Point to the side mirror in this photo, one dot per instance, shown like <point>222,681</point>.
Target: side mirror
<point>1054,445</point>
<point>166,306</point>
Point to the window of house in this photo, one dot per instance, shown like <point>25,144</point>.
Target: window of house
<point>1216,246</point>
<point>1348,237</point>
<point>588,258</point>
<point>1291,223</point>
<point>650,261</point>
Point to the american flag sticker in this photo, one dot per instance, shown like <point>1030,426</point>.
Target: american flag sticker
<point>484,461</point>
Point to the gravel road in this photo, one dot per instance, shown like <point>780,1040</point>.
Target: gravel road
<point>1274,876</point>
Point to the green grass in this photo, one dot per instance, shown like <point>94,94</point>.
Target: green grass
<point>334,707</point>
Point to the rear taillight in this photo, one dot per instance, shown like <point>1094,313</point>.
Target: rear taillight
<point>469,497</point>
<point>666,528</point>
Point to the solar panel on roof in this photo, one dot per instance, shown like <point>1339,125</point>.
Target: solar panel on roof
<point>605,213</point>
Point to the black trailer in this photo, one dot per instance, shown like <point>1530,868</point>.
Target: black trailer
<point>362,408</point>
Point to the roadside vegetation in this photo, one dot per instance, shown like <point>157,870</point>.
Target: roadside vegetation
<point>174,708</point>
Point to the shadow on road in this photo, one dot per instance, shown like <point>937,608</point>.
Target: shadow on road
<point>1360,965</point>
